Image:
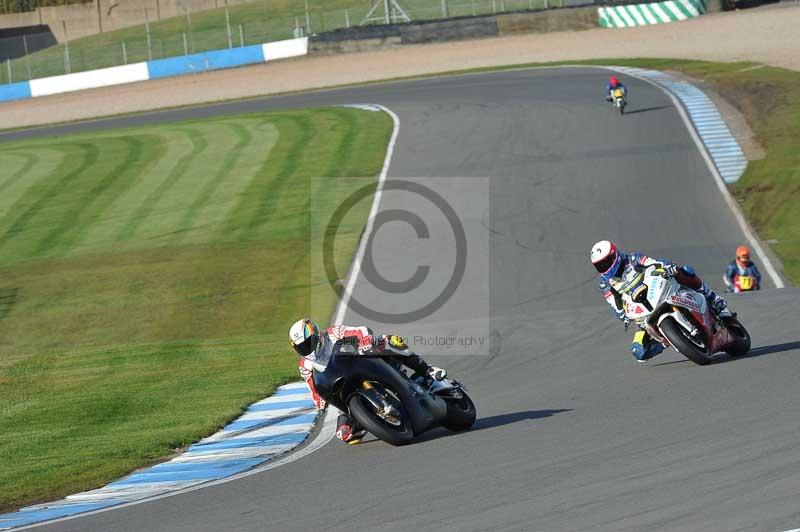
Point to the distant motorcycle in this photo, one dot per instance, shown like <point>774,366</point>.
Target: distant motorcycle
<point>388,403</point>
<point>678,316</point>
<point>618,98</point>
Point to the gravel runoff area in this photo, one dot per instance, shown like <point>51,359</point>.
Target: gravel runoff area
<point>765,35</point>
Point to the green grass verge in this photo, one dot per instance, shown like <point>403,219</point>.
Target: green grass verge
<point>261,21</point>
<point>147,279</point>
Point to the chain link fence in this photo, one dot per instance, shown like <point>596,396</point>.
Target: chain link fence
<point>229,27</point>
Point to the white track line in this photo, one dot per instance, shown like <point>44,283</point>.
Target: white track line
<point>729,199</point>
<point>362,246</point>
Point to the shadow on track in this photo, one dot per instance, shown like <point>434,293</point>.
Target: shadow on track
<point>753,353</point>
<point>646,109</point>
<point>491,422</point>
<point>766,350</point>
<point>514,417</point>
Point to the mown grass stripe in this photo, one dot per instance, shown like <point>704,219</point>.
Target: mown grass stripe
<point>141,151</point>
<point>199,144</point>
<point>88,157</point>
<point>294,133</point>
<point>206,193</point>
<point>31,159</point>
<point>340,163</point>
<point>293,162</point>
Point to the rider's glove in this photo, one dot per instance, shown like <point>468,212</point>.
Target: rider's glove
<point>671,270</point>
<point>437,373</point>
<point>626,322</point>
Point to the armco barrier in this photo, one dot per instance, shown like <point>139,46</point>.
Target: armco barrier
<point>213,60</point>
<point>629,16</point>
<point>174,66</point>
<point>15,91</point>
<point>91,79</point>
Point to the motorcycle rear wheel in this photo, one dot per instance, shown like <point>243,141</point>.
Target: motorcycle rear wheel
<point>741,345</point>
<point>461,413</point>
<point>677,336</point>
<point>362,410</point>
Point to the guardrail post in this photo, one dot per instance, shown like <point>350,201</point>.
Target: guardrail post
<point>241,36</point>
<point>189,27</point>
<point>67,68</point>
<point>445,9</point>
<point>27,58</point>
<point>346,18</point>
<point>124,53</point>
<point>8,64</point>
<point>147,32</point>
<point>185,45</point>
<point>228,25</point>
<point>308,19</point>
<point>494,6</point>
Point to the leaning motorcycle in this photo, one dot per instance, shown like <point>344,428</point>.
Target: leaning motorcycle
<point>678,316</point>
<point>618,97</point>
<point>390,404</point>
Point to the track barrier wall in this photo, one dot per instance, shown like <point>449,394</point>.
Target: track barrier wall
<point>632,15</point>
<point>160,68</point>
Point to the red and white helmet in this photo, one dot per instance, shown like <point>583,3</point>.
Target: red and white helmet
<point>605,257</point>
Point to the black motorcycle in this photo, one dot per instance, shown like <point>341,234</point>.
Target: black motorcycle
<point>390,404</point>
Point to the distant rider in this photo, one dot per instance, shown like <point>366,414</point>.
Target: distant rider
<point>614,83</point>
<point>313,346</point>
<point>611,264</point>
<point>741,267</point>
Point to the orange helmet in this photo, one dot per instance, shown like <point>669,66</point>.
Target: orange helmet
<point>743,253</point>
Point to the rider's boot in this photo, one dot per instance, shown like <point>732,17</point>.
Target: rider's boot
<point>715,302</point>
<point>348,430</point>
<point>644,347</point>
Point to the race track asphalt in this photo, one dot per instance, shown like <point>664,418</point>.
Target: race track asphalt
<point>572,433</point>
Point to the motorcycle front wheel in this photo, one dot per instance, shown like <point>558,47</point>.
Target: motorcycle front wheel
<point>366,414</point>
<point>694,350</point>
<point>461,412</point>
<point>741,344</point>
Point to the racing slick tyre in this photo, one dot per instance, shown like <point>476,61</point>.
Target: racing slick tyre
<point>694,350</point>
<point>741,345</point>
<point>365,413</point>
<point>461,412</point>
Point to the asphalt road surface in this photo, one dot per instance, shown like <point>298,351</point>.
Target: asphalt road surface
<point>572,433</point>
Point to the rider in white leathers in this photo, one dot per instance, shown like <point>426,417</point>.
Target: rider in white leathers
<point>611,264</point>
